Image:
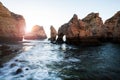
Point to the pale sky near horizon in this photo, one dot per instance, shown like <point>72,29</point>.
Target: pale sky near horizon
<point>57,12</point>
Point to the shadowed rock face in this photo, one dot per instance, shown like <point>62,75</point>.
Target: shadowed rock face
<point>77,30</point>
<point>90,29</point>
<point>70,29</point>
<point>61,32</point>
<point>53,34</point>
<point>93,25</point>
<point>112,27</point>
<point>36,33</point>
<point>11,25</point>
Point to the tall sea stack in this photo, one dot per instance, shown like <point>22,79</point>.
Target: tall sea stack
<point>53,34</point>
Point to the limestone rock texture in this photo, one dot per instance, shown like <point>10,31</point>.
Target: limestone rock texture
<point>93,25</point>
<point>77,30</point>
<point>12,26</point>
<point>53,34</point>
<point>112,27</point>
<point>36,33</point>
<point>90,29</point>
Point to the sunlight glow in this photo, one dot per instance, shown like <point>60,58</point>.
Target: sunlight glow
<point>28,29</point>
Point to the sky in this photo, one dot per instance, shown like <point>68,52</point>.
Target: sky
<point>57,12</point>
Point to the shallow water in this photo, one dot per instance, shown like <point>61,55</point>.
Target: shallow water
<point>42,60</point>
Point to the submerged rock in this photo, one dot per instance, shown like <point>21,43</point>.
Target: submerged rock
<point>4,47</point>
<point>1,65</point>
<point>11,25</point>
<point>5,50</point>
<point>13,65</point>
<point>18,71</point>
<point>53,34</point>
<point>36,33</point>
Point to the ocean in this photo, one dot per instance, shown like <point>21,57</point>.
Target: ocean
<point>42,60</point>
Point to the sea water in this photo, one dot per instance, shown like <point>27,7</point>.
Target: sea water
<point>42,60</point>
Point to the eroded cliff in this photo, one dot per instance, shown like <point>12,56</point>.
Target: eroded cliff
<point>90,29</point>
<point>11,25</point>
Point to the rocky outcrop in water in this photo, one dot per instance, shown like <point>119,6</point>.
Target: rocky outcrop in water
<point>11,25</point>
<point>93,25</point>
<point>36,33</point>
<point>53,34</point>
<point>112,28</point>
<point>77,30</point>
<point>90,30</point>
<point>70,30</point>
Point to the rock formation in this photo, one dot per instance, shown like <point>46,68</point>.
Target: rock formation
<point>93,25</point>
<point>70,30</point>
<point>112,28</point>
<point>90,29</point>
<point>53,34</point>
<point>36,33</point>
<point>77,30</point>
<point>11,25</point>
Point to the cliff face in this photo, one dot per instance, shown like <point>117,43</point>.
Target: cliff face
<point>36,33</point>
<point>93,25</point>
<point>112,27</point>
<point>70,29</point>
<point>11,25</point>
<point>76,30</point>
<point>90,29</point>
